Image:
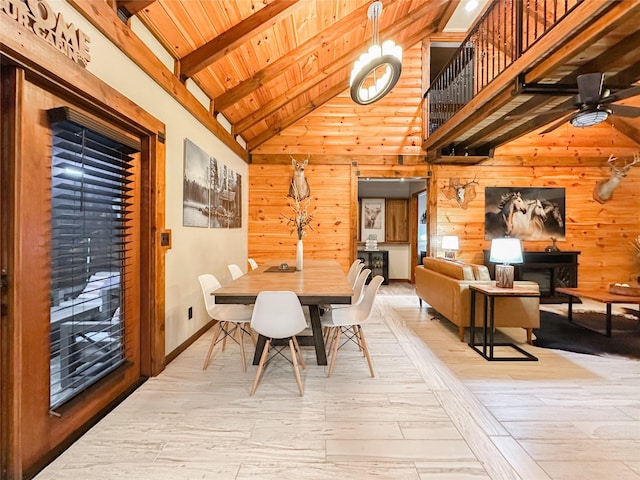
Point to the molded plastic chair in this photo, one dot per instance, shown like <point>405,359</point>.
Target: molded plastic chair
<point>252,263</point>
<point>349,321</point>
<point>354,271</point>
<point>276,315</point>
<point>235,271</point>
<point>231,318</point>
<point>355,298</point>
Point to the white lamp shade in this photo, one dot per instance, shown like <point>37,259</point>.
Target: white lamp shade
<point>450,242</point>
<point>506,250</point>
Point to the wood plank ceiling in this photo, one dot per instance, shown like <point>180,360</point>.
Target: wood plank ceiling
<point>266,65</point>
<point>270,66</point>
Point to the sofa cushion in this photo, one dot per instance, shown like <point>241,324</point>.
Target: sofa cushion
<point>456,270</point>
<point>480,272</point>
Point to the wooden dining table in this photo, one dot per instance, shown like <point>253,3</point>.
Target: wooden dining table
<point>320,282</point>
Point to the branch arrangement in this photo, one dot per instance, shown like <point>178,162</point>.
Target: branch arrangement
<point>301,218</point>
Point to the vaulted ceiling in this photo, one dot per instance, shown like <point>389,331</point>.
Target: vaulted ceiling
<point>266,64</point>
<point>270,66</point>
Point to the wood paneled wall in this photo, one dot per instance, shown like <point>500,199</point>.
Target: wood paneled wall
<point>391,126</point>
<point>269,236</point>
<point>601,232</point>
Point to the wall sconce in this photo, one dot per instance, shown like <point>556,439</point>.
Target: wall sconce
<point>450,245</point>
<point>505,251</point>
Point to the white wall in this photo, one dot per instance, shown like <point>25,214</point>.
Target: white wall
<point>194,250</point>
<point>399,260</point>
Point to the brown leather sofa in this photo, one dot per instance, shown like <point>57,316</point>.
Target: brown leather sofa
<point>444,285</point>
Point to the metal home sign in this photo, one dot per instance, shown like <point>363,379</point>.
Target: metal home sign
<point>38,17</point>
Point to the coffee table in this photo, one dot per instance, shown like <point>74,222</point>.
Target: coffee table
<point>599,295</point>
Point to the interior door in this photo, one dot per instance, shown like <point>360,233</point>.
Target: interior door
<point>35,430</point>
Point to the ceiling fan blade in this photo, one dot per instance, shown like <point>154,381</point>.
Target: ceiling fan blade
<point>625,111</point>
<point>590,87</point>
<point>540,114</point>
<point>557,124</point>
<point>621,95</point>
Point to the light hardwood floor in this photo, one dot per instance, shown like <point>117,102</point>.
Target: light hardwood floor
<point>435,410</point>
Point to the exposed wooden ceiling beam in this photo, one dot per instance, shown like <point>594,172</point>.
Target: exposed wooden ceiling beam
<point>625,127</point>
<point>101,16</point>
<point>341,86</point>
<point>355,19</point>
<point>237,35</point>
<point>133,6</point>
<point>309,82</point>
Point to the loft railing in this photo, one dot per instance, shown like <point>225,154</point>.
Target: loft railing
<point>506,30</point>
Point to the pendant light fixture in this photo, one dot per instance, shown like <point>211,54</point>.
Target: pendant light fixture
<point>377,70</point>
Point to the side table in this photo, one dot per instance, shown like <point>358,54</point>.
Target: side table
<point>490,293</point>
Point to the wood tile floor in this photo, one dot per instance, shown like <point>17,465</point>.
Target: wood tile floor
<point>435,410</point>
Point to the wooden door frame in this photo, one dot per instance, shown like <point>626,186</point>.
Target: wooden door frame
<point>385,171</point>
<point>27,57</point>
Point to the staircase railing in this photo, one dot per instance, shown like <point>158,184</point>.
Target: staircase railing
<point>505,31</point>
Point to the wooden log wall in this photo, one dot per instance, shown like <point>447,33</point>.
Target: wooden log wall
<point>601,232</point>
<point>269,236</point>
<point>390,126</point>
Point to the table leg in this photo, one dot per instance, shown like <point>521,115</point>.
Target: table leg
<point>492,322</point>
<point>318,341</point>
<point>570,310</point>
<point>608,327</point>
<point>472,320</point>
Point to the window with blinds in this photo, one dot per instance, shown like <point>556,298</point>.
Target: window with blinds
<point>90,181</point>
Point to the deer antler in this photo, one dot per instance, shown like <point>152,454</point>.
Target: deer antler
<point>474,181</point>
<point>623,169</point>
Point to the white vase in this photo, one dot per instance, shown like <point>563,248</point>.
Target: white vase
<point>299,255</point>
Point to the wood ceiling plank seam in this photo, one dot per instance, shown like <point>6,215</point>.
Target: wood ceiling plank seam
<point>346,60</point>
<point>184,25</point>
<point>229,40</point>
<point>269,72</point>
<point>159,34</point>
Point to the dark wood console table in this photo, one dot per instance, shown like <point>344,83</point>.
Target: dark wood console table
<point>549,269</point>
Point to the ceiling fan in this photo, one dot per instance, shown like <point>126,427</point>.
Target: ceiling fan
<point>593,103</point>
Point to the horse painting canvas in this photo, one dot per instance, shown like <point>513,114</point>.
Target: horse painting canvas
<point>527,213</point>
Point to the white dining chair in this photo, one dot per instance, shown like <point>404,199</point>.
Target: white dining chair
<point>358,290</point>
<point>230,318</point>
<point>278,315</point>
<point>235,271</point>
<point>349,320</point>
<point>252,263</point>
<point>354,271</point>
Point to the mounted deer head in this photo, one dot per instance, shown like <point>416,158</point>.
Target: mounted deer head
<point>603,190</point>
<point>462,193</point>
<point>299,188</point>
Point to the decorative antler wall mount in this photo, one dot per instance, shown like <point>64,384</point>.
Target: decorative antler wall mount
<point>461,193</point>
<point>603,190</point>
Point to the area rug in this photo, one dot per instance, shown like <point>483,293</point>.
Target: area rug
<point>557,333</point>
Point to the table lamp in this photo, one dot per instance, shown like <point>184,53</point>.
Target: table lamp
<point>450,245</point>
<point>505,251</point>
